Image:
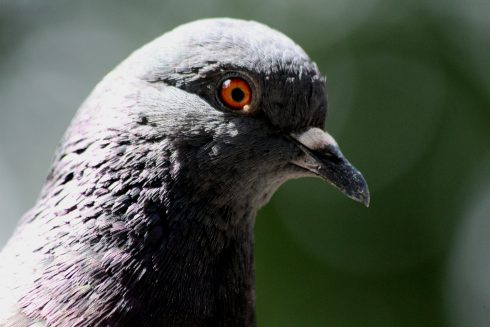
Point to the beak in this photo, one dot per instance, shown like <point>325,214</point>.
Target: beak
<point>322,157</point>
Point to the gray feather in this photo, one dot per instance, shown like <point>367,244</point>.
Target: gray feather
<point>146,218</point>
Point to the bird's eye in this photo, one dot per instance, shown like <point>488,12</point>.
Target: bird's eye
<point>236,94</point>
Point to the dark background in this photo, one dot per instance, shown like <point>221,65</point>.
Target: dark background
<point>409,88</point>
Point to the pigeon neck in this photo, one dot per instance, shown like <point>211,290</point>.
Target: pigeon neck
<point>206,270</point>
<point>178,251</point>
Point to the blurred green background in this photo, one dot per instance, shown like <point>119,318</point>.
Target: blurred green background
<point>409,90</point>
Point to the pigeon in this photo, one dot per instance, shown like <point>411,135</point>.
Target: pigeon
<point>146,217</point>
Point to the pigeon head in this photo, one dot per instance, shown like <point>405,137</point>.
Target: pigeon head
<point>234,107</point>
<point>147,215</point>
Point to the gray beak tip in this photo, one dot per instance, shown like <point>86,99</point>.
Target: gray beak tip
<point>365,198</point>
<point>360,193</point>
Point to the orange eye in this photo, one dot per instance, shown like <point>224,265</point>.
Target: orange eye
<point>236,94</point>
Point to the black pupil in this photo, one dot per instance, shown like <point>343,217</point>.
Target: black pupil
<point>237,94</point>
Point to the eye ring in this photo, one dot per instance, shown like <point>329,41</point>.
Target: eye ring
<point>236,94</point>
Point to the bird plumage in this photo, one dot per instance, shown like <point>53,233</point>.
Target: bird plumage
<point>146,218</point>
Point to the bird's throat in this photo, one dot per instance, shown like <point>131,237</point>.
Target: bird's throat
<point>204,276</point>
